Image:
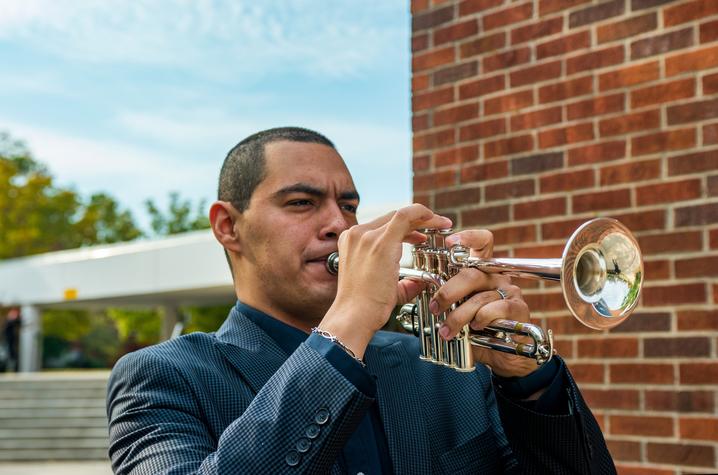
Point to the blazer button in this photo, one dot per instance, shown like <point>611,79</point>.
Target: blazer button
<point>303,445</point>
<point>312,431</point>
<point>322,416</point>
<point>292,458</point>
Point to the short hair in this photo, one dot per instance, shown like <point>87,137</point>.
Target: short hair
<point>244,167</point>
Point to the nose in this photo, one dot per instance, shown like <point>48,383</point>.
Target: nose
<point>335,223</point>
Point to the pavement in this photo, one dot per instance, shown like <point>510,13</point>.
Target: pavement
<point>56,468</point>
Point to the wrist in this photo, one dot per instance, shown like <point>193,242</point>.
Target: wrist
<point>353,337</point>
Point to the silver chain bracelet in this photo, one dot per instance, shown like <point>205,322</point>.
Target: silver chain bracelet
<point>330,337</point>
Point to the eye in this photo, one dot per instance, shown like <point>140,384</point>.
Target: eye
<point>300,203</point>
<point>350,208</point>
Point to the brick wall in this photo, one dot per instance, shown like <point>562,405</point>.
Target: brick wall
<point>532,116</point>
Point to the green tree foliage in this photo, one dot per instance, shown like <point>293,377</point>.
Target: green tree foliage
<point>179,218</point>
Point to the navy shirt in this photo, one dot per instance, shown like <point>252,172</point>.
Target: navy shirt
<point>367,450</point>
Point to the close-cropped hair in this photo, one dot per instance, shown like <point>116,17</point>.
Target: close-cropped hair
<point>244,167</point>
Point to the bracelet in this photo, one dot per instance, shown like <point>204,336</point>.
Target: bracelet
<point>332,338</point>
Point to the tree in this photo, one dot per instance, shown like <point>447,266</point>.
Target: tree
<point>178,218</point>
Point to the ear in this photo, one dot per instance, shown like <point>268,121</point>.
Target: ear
<point>222,216</point>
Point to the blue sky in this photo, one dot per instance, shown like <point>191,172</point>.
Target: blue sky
<point>139,98</point>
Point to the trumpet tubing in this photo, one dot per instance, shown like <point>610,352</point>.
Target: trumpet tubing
<point>601,273</point>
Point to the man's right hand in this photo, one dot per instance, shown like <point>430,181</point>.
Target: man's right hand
<point>368,287</point>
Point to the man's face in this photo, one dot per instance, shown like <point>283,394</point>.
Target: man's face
<point>291,225</point>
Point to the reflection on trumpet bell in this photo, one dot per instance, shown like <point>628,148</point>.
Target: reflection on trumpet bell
<point>601,273</point>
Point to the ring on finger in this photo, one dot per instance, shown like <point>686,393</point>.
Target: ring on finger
<point>502,294</point>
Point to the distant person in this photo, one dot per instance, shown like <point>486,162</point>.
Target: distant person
<point>11,332</point>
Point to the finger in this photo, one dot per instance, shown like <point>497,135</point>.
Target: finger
<point>465,313</point>
<point>468,281</point>
<point>407,290</point>
<point>508,309</point>
<point>479,241</point>
<point>414,217</point>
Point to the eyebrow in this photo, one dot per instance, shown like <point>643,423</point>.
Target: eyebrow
<point>314,191</point>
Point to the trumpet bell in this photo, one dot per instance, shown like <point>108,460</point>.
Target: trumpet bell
<point>601,273</point>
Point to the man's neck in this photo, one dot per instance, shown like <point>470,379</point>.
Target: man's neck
<point>302,323</point>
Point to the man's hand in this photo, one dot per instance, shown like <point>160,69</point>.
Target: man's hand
<point>484,304</point>
<point>368,287</point>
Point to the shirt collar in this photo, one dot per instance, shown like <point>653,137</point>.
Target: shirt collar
<point>285,336</point>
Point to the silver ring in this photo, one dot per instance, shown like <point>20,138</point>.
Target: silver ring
<point>502,294</point>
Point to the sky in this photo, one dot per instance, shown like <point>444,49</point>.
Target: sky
<point>140,98</point>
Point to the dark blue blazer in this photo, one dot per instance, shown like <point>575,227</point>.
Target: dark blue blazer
<point>233,402</point>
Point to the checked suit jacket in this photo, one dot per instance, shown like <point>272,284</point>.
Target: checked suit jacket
<point>233,402</point>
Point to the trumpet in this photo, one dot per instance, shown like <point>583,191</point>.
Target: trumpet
<point>600,272</point>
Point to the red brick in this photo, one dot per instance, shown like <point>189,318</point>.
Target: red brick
<point>536,30</point>
<point>685,12</point>
<point>534,74</point>
<point>658,270</point>
<point>431,99</point>
<point>564,90</point>
<point>455,156</point>
<point>456,198</point>
<point>709,31</point>
<point>631,172</point>
<point>674,294</point>
<point>508,146</point>
<point>710,134</point>
<point>481,130</point>
<point>596,106</point>
<point>699,373</point>
<point>641,373</point>
<point>509,102</point>
<point>545,302</point>
<point>661,44</point>
<point>485,216</point>
<point>420,122</point>
<point>467,7</point>
<point>433,58</point>
<point>419,42</point>
<point>481,87</point>
<point>697,319</point>
<point>456,114</point>
<point>537,163</point>
<point>675,347</point>
<point>699,429</point>
<point>564,44</point>
<point>668,92</point>
<point>611,398</point>
<point>419,82</point>
<point>432,18</point>
<point>485,171</point>
<point>507,59</point>
<point>515,234</point>
<point>693,163</point>
<point>566,135</point>
<point>603,200</point>
<point>434,181</point>
<point>663,141</point>
<point>714,238</point>
<point>600,152</point>
<point>710,83</point>
<point>507,16</point>
<point>680,454</point>
<point>543,252</point>
<point>483,44</point>
<point>595,59</point>
<point>668,192</point>
<point>596,13</point>
<point>650,119</point>
<point>536,119</point>
<point>626,28</point>
<point>550,6</point>
<point>625,450</point>
<point>679,401</point>
<point>540,208</point>
<point>671,242</point>
<point>421,162</point>
<point>419,5</point>
<point>706,266</point>
<point>512,189</point>
<point>587,372</point>
<point>642,425</point>
<point>452,74</point>
<point>699,215</point>
<point>642,4</point>
<point>456,32</point>
<point>431,140</point>
<point>693,61</point>
<point>693,111</point>
<point>643,322</point>
<point>629,76</point>
<point>573,180</point>
<point>644,220</point>
<point>607,348</point>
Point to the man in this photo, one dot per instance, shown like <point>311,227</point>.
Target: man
<point>300,380</point>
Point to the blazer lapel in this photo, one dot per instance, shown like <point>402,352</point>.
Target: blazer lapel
<point>249,349</point>
<point>399,405</point>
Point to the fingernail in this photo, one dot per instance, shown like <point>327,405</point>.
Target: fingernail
<point>434,307</point>
<point>444,332</point>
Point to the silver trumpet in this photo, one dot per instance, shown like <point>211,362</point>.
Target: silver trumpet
<point>601,272</point>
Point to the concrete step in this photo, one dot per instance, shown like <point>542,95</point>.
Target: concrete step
<point>59,432</point>
<point>53,422</point>
<point>59,404</point>
<point>53,454</point>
